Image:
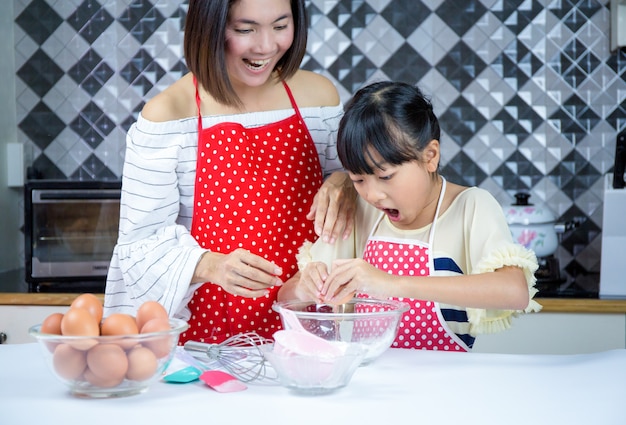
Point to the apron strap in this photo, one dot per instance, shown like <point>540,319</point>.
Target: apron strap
<point>431,236</point>
<point>195,83</point>
<point>294,105</point>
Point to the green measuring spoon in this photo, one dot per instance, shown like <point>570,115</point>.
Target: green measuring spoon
<point>183,376</point>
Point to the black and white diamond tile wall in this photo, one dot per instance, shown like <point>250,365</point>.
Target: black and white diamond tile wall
<point>529,95</point>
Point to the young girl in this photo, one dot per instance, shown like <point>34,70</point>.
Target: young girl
<point>444,249</point>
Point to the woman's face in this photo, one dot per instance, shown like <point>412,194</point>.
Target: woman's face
<point>258,34</point>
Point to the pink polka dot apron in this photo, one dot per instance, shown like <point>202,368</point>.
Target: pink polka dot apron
<point>422,326</point>
<point>254,187</point>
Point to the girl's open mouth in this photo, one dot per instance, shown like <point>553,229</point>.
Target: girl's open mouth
<point>393,214</point>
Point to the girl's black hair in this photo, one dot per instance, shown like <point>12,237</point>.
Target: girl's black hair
<point>393,118</point>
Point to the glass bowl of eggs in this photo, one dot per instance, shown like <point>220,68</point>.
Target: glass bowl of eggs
<point>116,356</point>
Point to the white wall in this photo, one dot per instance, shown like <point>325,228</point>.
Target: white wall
<point>10,198</point>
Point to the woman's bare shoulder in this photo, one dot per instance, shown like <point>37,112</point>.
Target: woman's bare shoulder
<point>174,103</point>
<point>313,89</point>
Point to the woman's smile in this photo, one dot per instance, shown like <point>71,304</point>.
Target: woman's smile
<point>256,65</point>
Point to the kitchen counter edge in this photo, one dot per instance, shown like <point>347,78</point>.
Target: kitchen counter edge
<point>550,305</point>
<point>40,299</point>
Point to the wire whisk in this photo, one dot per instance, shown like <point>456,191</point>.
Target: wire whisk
<point>240,355</point>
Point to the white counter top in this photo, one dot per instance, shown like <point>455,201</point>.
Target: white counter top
<point>403,386</point>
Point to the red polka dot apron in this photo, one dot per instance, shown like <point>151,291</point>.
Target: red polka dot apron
<point>254,187</point>
<point>422,326</point>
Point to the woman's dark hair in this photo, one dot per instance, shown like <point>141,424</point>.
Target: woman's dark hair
<point>394,119</point>
<point>205,41</point>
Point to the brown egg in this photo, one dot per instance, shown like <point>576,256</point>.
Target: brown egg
<point>79,322</point>
<point>91,303</point>
<point>142,364</point>
<point>69,362</point>
<point>160,345</point>
<point>100,382</point>
<point>120,324</point>
<point>148,311</point>
<point>52,324</point>
<point>107,361</point>
<point>156,325</point>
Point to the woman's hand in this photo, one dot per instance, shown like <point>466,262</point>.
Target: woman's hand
<point>333,207</point>
<point>349,277</point>
<point>239,273</point>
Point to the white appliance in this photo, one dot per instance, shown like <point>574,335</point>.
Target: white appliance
<point>613,261</point>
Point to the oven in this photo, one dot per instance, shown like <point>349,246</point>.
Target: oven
<point>70,229</point>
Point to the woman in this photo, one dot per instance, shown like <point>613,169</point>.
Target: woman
<point>222,170</point>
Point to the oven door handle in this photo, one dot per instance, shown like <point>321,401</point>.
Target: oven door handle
<point>72,195</point>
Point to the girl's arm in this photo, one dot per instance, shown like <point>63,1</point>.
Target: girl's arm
<point>503,289</point>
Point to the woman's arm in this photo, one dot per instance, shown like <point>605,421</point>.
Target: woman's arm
<point>333,208</point>
<point>155,255</point>
<point>334,204</point>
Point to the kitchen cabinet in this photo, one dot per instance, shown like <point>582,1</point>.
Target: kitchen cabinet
<point>557,333</point>
<point>15,320</point>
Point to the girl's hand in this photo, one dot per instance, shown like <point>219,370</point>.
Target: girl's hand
<point>333,208</point>
<point>239,273</point>
<point>348,277</point>
<point>311,282</point>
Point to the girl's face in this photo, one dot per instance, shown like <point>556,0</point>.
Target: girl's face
<point>259,33</point>
<point>406,193</point>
